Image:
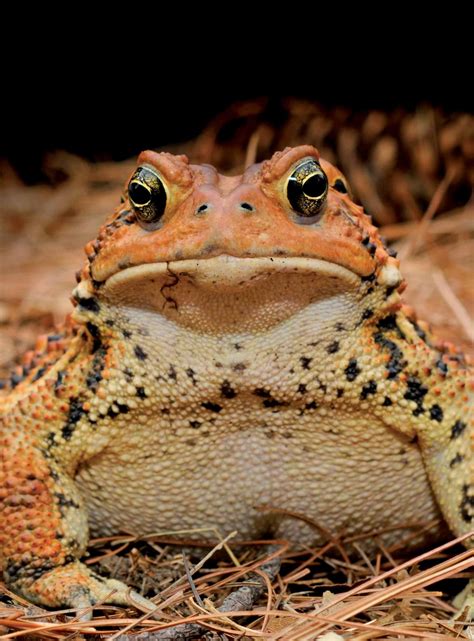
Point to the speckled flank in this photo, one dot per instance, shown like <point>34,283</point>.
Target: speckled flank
<point>223,360</point>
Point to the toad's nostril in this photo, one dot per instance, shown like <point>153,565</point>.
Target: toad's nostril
<point>247,207</point>
<point>202,208</point>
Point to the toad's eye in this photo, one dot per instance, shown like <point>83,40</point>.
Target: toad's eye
<point>147,195</point>
<point>307,188</point>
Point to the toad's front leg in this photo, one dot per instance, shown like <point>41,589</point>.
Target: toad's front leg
<point>44,532</point>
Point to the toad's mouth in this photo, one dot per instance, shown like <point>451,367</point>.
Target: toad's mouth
<point>228,293</point>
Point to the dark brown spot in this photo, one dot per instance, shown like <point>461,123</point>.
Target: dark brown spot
<point>227,390</point>
<point>140,353</point>
<point>212,407</point>
<point>457,429</point>
<point>352,370</point>
<point>333,347</point>
<point>436,413</point>
<point>369,388</point>
<point>305,361</point>
<point>467,504</point>
<point>457,459</point>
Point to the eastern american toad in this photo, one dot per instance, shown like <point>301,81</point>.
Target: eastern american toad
<point>237,343</point>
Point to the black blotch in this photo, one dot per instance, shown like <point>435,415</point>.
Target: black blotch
<point>369,388</point>
<point>94,375</point>
<point>352,371</point>
<point>140,391</point>
<point>39,374</point>
<point>389,290</point>
<point>95,334</point>
<point>91,304</point>
<point>368,279</point>
<point>172,373</point>
<point>311,406</point>
<point>333,347</point>
<point>457,429</point>
<point>339,392</point>
<point>63,501</point>
<point>273,402</point>
<point>305,361</point>
<point>227,390</point>
<point>389,323</point>
<point>59,380</point>
<point>76,411</point>
<point>128,374</point>
<point>301,388</point>
<point>416,392</point>
<point>436,413</point>
<point>15,379</point>
<point>51,439</point>
<point>371,247</point>
<point>239,367</point>
<point>396,363</point>
<point>420,332</point>
<point>237,346</point>
<point>466,503</point>
<point>340,186</point>
<point>368,313</point>
<point>121,409</point>
<point>192,375</point>
<point>213,407</point>
<point>340,327</point>
<point>139,353</point>
<point>260,391</point>
<point>457,459</point>
<point>387,402</point>
<point>109,322</point>
<point>195,424</point>
<point>127,333</point>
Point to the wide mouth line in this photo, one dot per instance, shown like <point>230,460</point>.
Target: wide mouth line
<point>226,263</point>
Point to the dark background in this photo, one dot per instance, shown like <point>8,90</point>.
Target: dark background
<point>109,106</point>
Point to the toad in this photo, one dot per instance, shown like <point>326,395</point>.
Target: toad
<point>238,344</point>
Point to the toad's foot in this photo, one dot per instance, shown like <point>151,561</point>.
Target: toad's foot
<point>74,585</point>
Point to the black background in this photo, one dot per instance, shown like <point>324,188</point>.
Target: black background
<point>110,104</point>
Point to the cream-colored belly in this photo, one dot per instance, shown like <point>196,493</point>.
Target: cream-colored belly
<point>350,474</point>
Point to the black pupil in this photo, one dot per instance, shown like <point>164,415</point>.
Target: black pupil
<point>139,194</point>
<point>314,186</point>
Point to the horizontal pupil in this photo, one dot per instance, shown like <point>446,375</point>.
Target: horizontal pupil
<point>139,194</point>
<point>314,186</point>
